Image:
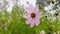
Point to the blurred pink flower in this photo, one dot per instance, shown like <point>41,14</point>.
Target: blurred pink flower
<point>32,16</point>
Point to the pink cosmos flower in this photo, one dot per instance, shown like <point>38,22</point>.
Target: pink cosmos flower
<point>32,16</point>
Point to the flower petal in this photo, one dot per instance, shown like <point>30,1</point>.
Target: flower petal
<point>37,22</point>
<point>36,9</point>
<point>28,21</point>
<point>27,9</point>
<point>38,15</point>
<point>31,7</point>
<point>27,15</point>
<point>32,23</point>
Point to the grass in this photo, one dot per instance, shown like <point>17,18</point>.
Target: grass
<point>14,23</point>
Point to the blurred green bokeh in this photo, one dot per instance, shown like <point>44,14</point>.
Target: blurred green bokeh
<point>14,23</point>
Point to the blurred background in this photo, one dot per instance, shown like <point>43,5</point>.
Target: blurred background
<point>13,22</point>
